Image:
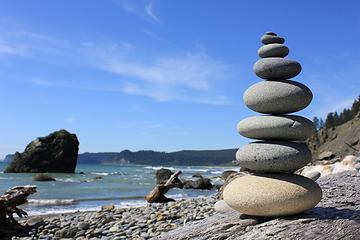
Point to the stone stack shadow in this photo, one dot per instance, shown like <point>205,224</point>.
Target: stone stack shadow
<point>272,189</point>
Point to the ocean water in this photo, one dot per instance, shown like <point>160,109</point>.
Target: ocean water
<point>122,185</point>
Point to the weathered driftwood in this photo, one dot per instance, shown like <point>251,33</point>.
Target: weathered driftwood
<point>157,195</point>
<point>9,203</point>
<point>337,216</point>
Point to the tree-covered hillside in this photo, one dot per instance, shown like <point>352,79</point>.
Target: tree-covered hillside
<point>334,119</point>
<point>186,157</point>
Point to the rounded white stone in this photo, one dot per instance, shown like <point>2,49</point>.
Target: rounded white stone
<point>273,68</point>
<point>283,127</point>
<point>222,207</point>
<point>273,156</point>
<point>272,195</point>
<point>277,97</point>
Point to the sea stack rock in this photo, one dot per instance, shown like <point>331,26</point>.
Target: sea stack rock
<point>56,152</point>
<point>273,189</point>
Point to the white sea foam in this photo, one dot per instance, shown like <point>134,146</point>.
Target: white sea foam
<point>178,195</point>
<point>51,202</point>
<point>136,203</point>
<point>159,167</point>
<point>194,170</point>
<point>117,173</point>
<point>100,173</point>
<point>46,211</point>
<point>67,180</point>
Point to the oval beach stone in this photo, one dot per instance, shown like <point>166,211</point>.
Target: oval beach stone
<point>283,127</point>
<point>273,68</point>
<point>277,97</point>
<point>268,39</point>
<point>272,195</point>
<point>273,156</point>
<point>273,50</point>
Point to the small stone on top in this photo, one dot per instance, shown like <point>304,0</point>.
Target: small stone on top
<point>268,39</point>
<point>271,33</point>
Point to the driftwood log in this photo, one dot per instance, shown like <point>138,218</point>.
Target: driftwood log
<point>9,203</point>
<point>157,195</point>
<point>337,216</point>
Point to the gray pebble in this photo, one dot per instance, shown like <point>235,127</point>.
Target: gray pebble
<point>283,127</point>
<point>268,39</point>
<point>273,50</point>
<point>274,68</point>
<point>84,225</point>
<point>273,156</point>
<point>277,97</point>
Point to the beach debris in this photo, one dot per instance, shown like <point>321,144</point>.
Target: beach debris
<point>9,202</point>
<point>163,175</point>
<point>157,195</point>
<point>272,189</point>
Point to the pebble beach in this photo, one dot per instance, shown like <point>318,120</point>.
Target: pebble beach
<point>120,223</point>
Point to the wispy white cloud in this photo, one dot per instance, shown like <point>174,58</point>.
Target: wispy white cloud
<point>334,88</point>
<point>149,9</point>
<point>71,120</point>
<point>149,128</point>
<point>151,34</point>
<point>144,9</point>
<point>187,77</point>
<point>332,107</point>
<point>5,49</point>
<point>41,82</point>
<point>192,76</point>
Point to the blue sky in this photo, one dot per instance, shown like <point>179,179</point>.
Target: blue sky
<point>162,75</point>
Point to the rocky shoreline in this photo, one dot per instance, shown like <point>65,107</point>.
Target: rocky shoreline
<point>337,216</point>
<point>120,223</point>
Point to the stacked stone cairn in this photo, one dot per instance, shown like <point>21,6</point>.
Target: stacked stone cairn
<point>272,189</point>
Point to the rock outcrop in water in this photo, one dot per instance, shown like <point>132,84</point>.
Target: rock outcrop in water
<point>272,189</point>
<point>56,152</point>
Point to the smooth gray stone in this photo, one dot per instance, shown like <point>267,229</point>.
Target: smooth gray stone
<point>273,50</point>
<point>271,33</point>
<point>277,97</point>
<point>283,127</point>
<point>273,156</point>
<point>268,39</point>
<point>273,68</point>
